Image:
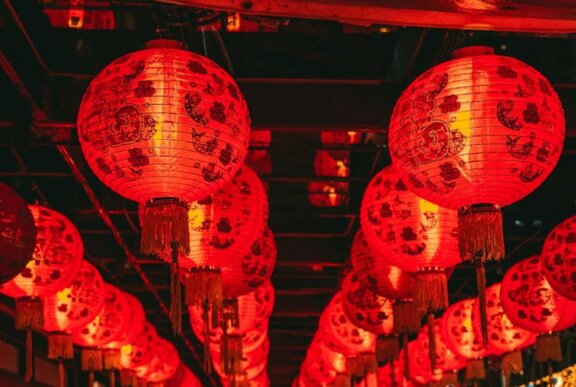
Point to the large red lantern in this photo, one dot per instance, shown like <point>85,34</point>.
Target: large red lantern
<point>505,338</point>
<point>559,258</point>
<point>17,231</point>
<point>463,337</point>
<point>163,364</point>
<point>140,351</point>
<point>72,308</point>
<point>530,303</point>
<point>55,262</point>
<point>164,127</point>
<point>371,312</point>
<point>413,234</point>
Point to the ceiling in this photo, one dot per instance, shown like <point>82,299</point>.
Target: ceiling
<point>300,77</point>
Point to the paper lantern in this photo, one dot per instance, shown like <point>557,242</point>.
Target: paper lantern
<point>251,364</point>
<point>223,227</point>
<point>140,351</point>
<point>474,134</point>
<point>110,324</point>
<point>329,193</point>
<point>339,138</point>
<point>412,234</point>
<point>17,234</point>
<point>163,364</point>
<point>339,334</point>
<point>530,303</point>
<point>72,308</point>
<point>163,127</point>
<point>559,258</point>
<point>258,157</point>
<point>321,365</point>
<point>55,262</point>
<point>462,337</point>
<point>256,267</point>
<point>137,324</point>
<point>444,360</point>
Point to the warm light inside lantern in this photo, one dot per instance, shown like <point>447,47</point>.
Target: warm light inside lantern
<point>126,350</point>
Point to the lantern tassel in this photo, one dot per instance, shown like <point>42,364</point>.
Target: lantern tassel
<point>475,370</point>
<point>111,359</point>
<point>342,380</point>
<point>91,359</point>
<point>406,356</point>
<point>60,345</point>
<point>204,283</point>
<point>112,377</point>
<point>393,373</point>
<point>480,232</point>
<point>28,313</point>
<point>387,349</point>
<point>229,316</point>
<point>206,317</point>
<point>127,378</point>
<point>548,348</point>
<point>90,378</point>
<point>29,357</point>
<point>60,372</point>
<point>430,291</point>
<point>481,284</point>
<point>231,354</point>
<point>431,341</point>
<point>406,319</point>
<point>449,378</point>
<point>175,292</point>
<point>164,221</point>
<point>512,364</point>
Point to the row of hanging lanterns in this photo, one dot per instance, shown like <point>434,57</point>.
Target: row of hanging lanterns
<point>466,138</point>
<point>60,293</point>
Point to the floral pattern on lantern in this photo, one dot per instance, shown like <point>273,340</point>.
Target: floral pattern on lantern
<point>251,365</point>
<point>163,122</point>
<point>111,322</point>
<point>140,350</point>
<point>56,259</point>
<point>559,258</point>
<point>17,233</point>
<point>364,308</point>
<point>136,322</point>
<point>460,334</point>
<point>503,335</point>
<point>77,304</point>
<point>163,364</point>
<point>530,302</point>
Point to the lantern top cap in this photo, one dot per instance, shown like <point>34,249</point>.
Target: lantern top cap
<point>472,51</point>
<point>164,43</point>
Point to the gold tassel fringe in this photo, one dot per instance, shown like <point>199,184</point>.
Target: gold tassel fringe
<point>342,380</point>
<point>111,359</point>
<point>431,341</point>
<point>28,313</point>
<point>60,345</point>
<point>430,291</point>
<point>406,351</point>
<point>512,364</point>
<point>229,316</point>
<point>231,354</point>
<point>387,349</point>
<point>450,378</point>
<point>475,369</point>
<point>175,292</point>
<point>406,318</point>
<point>29,369</point>
<point>164,221</point>
<point>61,372</point>
<point>548,348</point>
<point>359,366</point>
<point>481,285</point>
<point>92,359</point>
<point>480,232</point>
<point>128,378</point>
<point>203,284</point>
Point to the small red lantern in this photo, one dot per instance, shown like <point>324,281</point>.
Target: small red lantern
<point>136,322</point>
<point>559,258</point>
<point>163,364</point>
<point>55,262</point>
<point>340,137</point>
<point>164,127</point>
<point>463,337</point>
<point>371,312</point>
<point>412,234</point>
<point>330,193</point>
<point>71,308</point>
<point>530,303</point>
<point>18,233</point>
<point>258,157</point>
<point>140,351</point>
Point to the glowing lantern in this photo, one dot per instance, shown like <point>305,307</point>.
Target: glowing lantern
<point>530,303</point>
<point>371,312</point>
<point>505,337</point>
<point>140,351</point>
<point>55,262</point>
<point>412,234</point>
<point>559,258</point>
<point>163,364</point>
<point>71,308</point>
<point>321,365</point>
<point>250,364</point>
<point>164,127</point>
<point>462,337</point>
<point>329,193</point>
<point>17,234</point>
<point>341,138</point>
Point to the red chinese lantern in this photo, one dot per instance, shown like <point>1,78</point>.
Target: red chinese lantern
<point>559,258</point>
<point>256,266</point>
<point>371,312</point>
<point>250,364</point>
<point>321,365</point>
<point>55,262</point>
<point>530,303</point>
<point>163,364</point>
<point>412,234</point>
<point>258,157</point>
<point>140,351</point>
<point>18,234</point>
<point>505,338</point>
<point>339,138</point>
<point>386,281</point>
<point>136,322</point>
<point>462,337</point>
<point>475,134</point>
<point>329,193</point>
